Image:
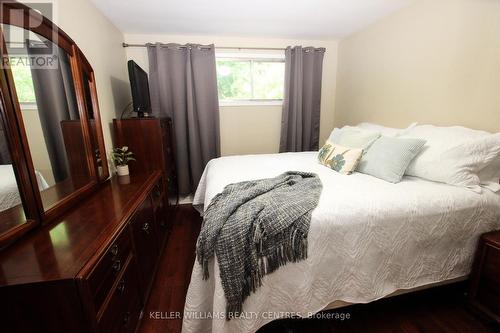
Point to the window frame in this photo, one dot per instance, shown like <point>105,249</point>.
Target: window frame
<point>251,101</point>
<point>28,106</point>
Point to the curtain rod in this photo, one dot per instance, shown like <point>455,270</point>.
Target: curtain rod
<point>220,47</point>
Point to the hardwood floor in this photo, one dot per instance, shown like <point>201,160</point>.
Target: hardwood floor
<point>174,273</point>
<point>441,309</point>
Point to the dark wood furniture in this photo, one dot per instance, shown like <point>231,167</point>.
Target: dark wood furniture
<point>484,293</point>
<point>33,211</point>
<point>92,270</point>
<point>90,246</point>
<point>73,143</point>
<point>151,140</point>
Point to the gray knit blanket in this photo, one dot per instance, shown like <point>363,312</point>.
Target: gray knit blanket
<point>255,227</point>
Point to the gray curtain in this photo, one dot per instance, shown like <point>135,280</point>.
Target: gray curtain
<point>301,107</point>
<point>56,101</point>
<point>183,86</point>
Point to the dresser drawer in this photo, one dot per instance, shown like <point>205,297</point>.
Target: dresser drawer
<point>145,236</point>
<point>123,307</point>
<point>108,268</point>
<point>161,219</point>
<point>160,213</point>
<point>157,192</point>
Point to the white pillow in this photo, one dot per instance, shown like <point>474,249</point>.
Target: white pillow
<point>386,131</point>
<point>353,137</point>
<point>453,155</point>
<point>448,136</point>
<point>490,175</point>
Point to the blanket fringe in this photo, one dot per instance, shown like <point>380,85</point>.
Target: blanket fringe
<point>204,266</point>
<point>292,251</point>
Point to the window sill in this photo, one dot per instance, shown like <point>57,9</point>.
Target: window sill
<point>28,106</point>
<point>251,103</point>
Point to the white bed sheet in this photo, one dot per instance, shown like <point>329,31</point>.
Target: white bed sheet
<point>368,238</point>
<point>9,193</point>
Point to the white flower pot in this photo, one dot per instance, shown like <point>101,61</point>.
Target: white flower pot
<point>122,170</point>
<point>124,180</point>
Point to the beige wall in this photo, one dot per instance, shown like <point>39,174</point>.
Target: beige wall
<point>253,129</point>
<point>432,62</point>
<point>100,41</point>
<point>250,129</point>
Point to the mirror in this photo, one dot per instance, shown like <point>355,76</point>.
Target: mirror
<point>11,208</point>
<point>93,124</point>
<point>52,149</point>
<point>45,89</point>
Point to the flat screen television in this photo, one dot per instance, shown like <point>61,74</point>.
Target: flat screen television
<point>140,89</point>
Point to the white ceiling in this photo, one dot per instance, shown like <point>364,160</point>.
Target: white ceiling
<point>322,19</point>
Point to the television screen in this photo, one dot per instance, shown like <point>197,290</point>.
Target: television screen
<point>140,88</point>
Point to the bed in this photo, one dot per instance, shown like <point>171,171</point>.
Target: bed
<point>9,193</point>
<point>368,239</point>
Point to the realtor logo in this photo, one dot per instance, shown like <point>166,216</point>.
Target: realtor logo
<point>21,44</point>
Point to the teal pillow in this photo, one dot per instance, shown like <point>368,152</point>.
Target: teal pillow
<point>353,137</point>
<point>387,158</point>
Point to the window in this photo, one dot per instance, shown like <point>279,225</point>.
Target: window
<point>247,78</point>
<point>24,85</point>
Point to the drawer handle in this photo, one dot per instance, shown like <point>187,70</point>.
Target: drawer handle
<point>146,228</point>
<point>126,319</point>
<point>114,250</point>
<point>121,286</point>
<point>117,265</point>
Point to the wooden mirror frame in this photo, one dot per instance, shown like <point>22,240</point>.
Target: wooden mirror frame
<point>10,114</point>
<point>86,68</point>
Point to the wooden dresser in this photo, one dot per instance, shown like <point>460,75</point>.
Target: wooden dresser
<point>91,270</point>
<point>151,140</point>
<point>485,282</point>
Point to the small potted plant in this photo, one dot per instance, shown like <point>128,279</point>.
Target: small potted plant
<point>121,157</point>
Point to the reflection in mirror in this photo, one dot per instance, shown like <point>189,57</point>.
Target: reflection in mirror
<point>92,123</point>
<point>45,89</point>
<point>11,208</point>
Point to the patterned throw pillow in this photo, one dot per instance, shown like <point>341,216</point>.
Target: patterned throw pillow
<point>341,159</point>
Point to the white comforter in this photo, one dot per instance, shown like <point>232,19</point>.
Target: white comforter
<point>9,193</point>
<point>368,238</point>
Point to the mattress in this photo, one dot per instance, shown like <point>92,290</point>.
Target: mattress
<point>9,193</point>
<point>368,238</point>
